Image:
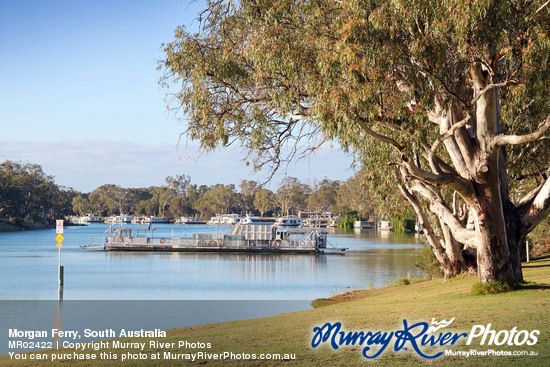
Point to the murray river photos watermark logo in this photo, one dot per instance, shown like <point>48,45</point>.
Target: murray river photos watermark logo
<point>419,337</point>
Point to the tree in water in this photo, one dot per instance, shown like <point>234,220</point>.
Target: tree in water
<point>447,102</point>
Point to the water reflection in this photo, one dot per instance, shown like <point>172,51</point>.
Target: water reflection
<point>29,267</point>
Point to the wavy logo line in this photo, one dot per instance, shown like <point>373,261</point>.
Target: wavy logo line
<point>439,325</point>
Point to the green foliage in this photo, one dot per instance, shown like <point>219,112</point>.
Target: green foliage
<point>249,189</point>
<point>291,196</point>
<point>323,195</point>
<point>401,221</point>
<point>264,201</point>
<point>494,288</point>
<point>539,240</point>
<point>428,263</point>
<point>280,77</point>
<point>217,200</point>
<point>181,198</point>
<point>27,193</point>
<point>349,219</point>
<point>408,280</point>
<point>401,281</point>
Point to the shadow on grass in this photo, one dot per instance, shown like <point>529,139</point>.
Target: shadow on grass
<point>535,286</point>
<point>534,263</point>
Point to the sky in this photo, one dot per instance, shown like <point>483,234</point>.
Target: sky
<point>79,95</point>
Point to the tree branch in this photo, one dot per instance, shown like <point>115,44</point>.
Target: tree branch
<point>542,7</point>
<point>425,224</point>
<point>448,134</point>
<point>489,87</point>
<point>520,139</point>
<point>456,182</point>
<point>539,207</point>
<point>381,138</point>
<point>440,208</point>
<point>459,145</point>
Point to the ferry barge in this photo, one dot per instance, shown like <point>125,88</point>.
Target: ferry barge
<point>243,237</point>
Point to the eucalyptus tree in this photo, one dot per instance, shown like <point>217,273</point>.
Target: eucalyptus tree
<point>179,183</point>
<point>61,203</point>
<point>81,205</point>
<point>11,197</point>
<point>101,201</point>
<point>249,189</point>
<point>120,202</point>
<point>194,192</point>
<point>178,203</point>
<point>323,195</point>
<point>264,201</point>
<point>137,199</point>
<point>291,195</point>
<point>219,199</point>
<point>27,192</point>
<point>453,95</point>
<point>357,194</point>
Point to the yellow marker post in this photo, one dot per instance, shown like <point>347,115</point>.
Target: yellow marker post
<point>59,238</point>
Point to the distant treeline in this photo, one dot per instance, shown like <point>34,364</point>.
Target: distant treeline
<point>181,198</point>
<point>27,193</point>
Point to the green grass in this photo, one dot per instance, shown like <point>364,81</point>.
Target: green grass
<point>527,308</point>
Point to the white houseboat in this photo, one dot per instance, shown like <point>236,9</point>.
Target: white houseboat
<point>189,220</point>
<point>385,225</point>
<point>91,218</point>
<point>289,222</point>
<point>243,237</point>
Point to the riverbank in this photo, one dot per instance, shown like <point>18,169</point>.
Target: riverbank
<point>6,227</point>
<point>24,226</point>
<point>377,309</point>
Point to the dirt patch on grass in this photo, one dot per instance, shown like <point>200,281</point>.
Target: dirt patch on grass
<point>345,297</point>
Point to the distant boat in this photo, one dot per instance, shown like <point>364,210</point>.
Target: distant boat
<point>385,225</point>
<point>288,222</point>
<point>225,219</point>
<point>362,224</point>
<point>124,219</point>
<point>157,220</point>
<point>249,219</point>
<point>91,218</point>
<point>189,220</point>
<point>319,219</point>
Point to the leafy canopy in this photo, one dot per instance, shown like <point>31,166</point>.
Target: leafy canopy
<point>269,73</point>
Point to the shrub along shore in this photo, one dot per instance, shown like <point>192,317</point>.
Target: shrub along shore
<point>23,226</point>
<point>370,310</point>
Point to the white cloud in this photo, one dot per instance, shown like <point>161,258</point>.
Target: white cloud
<point>87,164</point>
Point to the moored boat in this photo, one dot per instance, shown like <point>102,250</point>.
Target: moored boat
<point>189,220</point>
<point>385,225</point>
<point>91,218</point>
<point>243,237</point>
<point>289,222</point>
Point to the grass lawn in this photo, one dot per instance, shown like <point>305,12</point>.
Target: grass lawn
<point>368,310</point>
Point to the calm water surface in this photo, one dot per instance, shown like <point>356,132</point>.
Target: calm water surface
<point>132,291</point>
<point>28,268</point>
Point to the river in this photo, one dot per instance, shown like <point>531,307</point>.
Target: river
<point>116,289</point>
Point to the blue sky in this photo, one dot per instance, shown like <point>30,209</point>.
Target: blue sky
<point>79,96</point>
